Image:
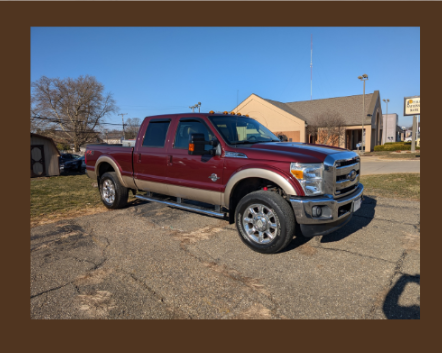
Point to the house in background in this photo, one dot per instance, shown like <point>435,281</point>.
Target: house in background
<point>291,119</point>
<point>44,156</point>
<point>390,133</point>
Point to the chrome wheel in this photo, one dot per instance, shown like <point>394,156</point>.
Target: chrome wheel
<point>260,223</point>
<point>108,191</point>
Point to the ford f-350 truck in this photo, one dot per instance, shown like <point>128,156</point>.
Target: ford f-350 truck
<point>230,166</point>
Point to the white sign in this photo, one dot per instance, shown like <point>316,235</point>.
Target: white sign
<point>412,105</point>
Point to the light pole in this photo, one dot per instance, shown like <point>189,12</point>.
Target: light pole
<point>198,105</point>
<point>386,120</point>
<point>363,78</point>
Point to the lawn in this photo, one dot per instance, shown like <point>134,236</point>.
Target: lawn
<point>65,196</point>
<point>393,155</point>
<point>396,186</point>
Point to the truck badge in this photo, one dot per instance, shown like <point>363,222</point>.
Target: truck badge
<point>213,177</point>
<point>352,175</point>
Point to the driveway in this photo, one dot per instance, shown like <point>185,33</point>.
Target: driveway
<point>155,262</point>
<point>369,165</point>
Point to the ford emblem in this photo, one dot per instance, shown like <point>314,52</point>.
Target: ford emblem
<point>352,175</point>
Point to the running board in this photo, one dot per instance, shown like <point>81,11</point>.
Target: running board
<point>186,207</point>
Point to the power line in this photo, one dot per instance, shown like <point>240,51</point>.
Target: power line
<point>68,122</point>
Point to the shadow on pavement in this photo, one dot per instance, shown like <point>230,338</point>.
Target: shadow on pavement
<point>391,307</point>
<point>361,218</point>
<point>296,242</point>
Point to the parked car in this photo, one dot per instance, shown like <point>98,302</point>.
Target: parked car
<point>272,190</point>
<point>75,164</point>
<point>65,157</point>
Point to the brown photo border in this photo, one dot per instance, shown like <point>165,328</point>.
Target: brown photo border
<point>22,332</point>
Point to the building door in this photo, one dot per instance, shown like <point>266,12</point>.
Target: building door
<point>37,161</point>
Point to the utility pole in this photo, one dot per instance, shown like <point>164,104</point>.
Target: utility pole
<point>124,135</point>
<point>386,121</point>
<point>363,78</point>
<point>311,67</point>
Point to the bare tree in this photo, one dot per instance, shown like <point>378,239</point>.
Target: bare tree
<point>75,105</point>
<point>132,127</point>
<point>328,128</point>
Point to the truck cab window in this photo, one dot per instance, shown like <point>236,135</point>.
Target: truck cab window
<point>185,128</point>
<point>156,133</point>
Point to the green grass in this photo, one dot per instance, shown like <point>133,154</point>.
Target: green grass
<point>392,155</point>
<point>396,186</point>
<point>62,194</point>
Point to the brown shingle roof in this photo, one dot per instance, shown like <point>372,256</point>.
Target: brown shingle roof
<point>349,107</point>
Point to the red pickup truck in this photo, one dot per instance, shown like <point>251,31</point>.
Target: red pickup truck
<point>230,166</point>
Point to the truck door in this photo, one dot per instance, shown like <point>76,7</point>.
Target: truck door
<point>150,155</point>
<point>197,178</point>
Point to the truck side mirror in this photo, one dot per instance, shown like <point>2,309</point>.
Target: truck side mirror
<point>196,144</point>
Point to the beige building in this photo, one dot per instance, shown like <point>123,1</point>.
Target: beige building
<point>292,119</point>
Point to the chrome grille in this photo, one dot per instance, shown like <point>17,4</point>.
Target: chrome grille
<point>339,170</point>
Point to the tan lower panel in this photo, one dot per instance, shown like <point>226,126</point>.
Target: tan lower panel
<point>212,197</point>
<point>129,181</point>
<point>152,186</point>
<point>91,174</point>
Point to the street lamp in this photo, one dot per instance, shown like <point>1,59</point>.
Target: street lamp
<point>386,120</point>
<point>198,105</point>
<point>363,78</point>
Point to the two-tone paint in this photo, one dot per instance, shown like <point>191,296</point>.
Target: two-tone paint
<point>212,179</point>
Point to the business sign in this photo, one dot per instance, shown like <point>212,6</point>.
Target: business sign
<point>412,105</point>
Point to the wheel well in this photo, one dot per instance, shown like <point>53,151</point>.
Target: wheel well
<point>246,186</point>
<point>104,168</point>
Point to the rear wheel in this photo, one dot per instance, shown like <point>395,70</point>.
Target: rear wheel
<point>113,194</point>
<point>265,221</point>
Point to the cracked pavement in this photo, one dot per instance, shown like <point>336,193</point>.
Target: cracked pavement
<point>155,262</point>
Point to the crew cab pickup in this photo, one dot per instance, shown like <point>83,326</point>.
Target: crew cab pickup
<point>233,167</point>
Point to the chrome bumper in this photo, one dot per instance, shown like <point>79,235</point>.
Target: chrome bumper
<point>333,210</point>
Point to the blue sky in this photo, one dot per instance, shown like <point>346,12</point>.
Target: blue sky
<point>161,70</point>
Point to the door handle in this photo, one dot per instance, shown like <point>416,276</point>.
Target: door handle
<point>139,157</point>
<point>170,160</point>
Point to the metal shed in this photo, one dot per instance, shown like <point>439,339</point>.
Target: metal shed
<point>44,156</point>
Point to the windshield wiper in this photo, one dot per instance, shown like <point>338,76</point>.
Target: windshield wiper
<point>252,142</point>
<point>242,142</point>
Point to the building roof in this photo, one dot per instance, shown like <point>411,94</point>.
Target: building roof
<point>47,138</point>
<point>348,107</point>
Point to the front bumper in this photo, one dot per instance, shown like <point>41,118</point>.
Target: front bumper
<point>335,212</point>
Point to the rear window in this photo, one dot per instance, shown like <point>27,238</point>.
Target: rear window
<point>156,133</point>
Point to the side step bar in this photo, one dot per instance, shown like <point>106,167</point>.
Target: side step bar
<point>183,206</point>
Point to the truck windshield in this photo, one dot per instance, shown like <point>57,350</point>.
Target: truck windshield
<point>242,130</point>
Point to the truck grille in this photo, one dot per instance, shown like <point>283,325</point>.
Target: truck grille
<point>342,173</point>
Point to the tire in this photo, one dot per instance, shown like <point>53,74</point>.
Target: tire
<point>271,225</point>
<point>113,194</point>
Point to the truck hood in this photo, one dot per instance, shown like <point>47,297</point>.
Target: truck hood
<point>290,151</point>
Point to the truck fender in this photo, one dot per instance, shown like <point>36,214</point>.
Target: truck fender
<point>275,177</point>
<point>106,159</point>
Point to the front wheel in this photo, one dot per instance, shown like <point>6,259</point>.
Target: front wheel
<point>265,221</point>
<point>113,194</point>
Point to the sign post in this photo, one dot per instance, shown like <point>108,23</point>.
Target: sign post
<point>412,106</point>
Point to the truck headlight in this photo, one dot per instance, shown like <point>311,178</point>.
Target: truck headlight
<point>310,176</point>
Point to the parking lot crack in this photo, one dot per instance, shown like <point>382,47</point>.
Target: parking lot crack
<point>176,313</point>
<point>385,220</point>
<point>50,290</point>
<point>354,253</point>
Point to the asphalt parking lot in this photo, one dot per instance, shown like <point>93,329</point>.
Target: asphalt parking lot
<point>155,262</point>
